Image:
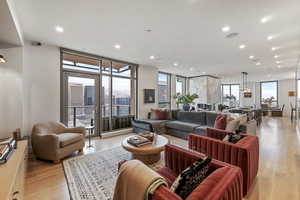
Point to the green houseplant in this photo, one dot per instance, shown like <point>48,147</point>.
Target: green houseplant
<point>185,100</point>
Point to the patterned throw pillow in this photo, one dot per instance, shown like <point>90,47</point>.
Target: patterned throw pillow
<point>232,137</point>
<point>191,177</point>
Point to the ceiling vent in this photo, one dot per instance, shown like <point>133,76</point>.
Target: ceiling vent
<point>232,35</point>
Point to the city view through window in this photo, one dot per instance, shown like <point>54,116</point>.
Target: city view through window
<point>107,97</point>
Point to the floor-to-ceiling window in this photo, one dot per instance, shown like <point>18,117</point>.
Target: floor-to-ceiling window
<point>97,91</point>
<point>180,85</point>
<point>164,90</point>
<point>230,94</point>
<point>269,92</point>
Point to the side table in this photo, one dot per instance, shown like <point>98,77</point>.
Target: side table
<point>90,130</point>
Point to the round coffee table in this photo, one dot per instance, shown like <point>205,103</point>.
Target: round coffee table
<point>148,153</point>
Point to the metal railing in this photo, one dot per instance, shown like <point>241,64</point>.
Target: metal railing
<point>85,116</point>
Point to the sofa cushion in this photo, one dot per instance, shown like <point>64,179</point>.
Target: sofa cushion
<point>66,139</point>
<point>211,118</point>
<point>160,114</point>
<point>201,130</point>
<point>192,117</point>
<point>180,125</point>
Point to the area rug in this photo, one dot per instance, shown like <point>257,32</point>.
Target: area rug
<point>93,176</point>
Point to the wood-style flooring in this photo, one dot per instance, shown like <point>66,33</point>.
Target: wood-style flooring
<point>278,177</point>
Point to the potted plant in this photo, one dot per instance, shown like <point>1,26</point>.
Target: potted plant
<point>185,100</point>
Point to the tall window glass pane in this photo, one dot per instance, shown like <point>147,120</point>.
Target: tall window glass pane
<point>81,101</point>
<point>231,94</point>
<point>121,96</point>
<point>180,85</point>
<point>164,90</point>
<point>269,92</point>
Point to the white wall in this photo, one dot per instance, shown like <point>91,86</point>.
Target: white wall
<point>147,79</point>
<point>11,102</point>
<point>41,78</point>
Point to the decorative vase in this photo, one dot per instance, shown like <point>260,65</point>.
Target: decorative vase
<point>186,107</point>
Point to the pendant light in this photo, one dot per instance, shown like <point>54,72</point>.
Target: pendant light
<point>245,90</point>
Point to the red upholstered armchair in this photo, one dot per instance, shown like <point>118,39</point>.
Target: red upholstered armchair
<point>224,181</point>
<point>244,153</point>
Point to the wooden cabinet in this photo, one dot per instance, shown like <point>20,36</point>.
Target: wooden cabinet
<point>12,174</point>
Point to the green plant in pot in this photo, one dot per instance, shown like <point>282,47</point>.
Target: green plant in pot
<point>185,100</point>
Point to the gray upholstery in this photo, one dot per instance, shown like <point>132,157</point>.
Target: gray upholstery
<point>180,125</point>
<point>211,118</point>
<point>192,117</point>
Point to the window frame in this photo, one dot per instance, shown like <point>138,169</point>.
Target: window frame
<point>275,81</point>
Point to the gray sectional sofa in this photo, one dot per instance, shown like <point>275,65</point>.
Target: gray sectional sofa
<point>181,124</point>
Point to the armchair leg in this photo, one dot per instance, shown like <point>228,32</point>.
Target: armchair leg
<point>56,161</point>
<point>80,150</point>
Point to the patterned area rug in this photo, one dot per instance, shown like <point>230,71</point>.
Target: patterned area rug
<point>93,176</point>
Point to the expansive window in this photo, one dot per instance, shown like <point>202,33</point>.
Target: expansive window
<point>230,93</point>
<point>269,92</point>
<point>180,85</point>
<point>97,91</point>
<point>164,92</point>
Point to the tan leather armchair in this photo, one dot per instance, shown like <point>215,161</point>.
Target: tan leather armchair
<point>53,140</point>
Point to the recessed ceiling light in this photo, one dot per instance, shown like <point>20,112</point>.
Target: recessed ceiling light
<point>175,64</point>
<point>251,57</point>
<point>225,29</point>
<point>276,56</point>
<point>278,62</point>
<point>152,57</point>
<point>258,63</point>
<point>279,66</point>
<point>274,48</point>
<point>242,46</point>
<point>265,19</point>
<point>117,46</point>
<point>59,29</point>
<point>270,37</point>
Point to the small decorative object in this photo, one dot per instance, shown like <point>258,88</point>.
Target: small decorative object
<point>17,134</point>
<point>186,100</point>
<point>149,95</point>
<point>2,59</point>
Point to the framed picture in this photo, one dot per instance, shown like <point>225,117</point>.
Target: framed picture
<point>149,95</point>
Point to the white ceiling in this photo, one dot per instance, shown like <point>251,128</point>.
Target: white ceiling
<point>184,31</point>
<point>10,34</point>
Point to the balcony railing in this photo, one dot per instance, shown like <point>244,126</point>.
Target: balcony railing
<point>85,116</point>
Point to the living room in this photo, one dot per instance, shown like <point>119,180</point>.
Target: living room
<point>81,82</point>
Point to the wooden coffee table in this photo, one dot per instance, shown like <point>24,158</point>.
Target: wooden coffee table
<point>148,153</point>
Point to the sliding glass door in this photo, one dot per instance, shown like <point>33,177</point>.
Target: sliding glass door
<point>97,91</point>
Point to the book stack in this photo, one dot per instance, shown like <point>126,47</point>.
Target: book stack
<point>138,141</point>
<point>7,146</point>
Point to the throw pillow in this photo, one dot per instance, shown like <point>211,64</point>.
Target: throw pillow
<point>158,114</point>
<point>220,122</point>
<point>191,177</point>
<point>232,138</point>
<point>232,125</point>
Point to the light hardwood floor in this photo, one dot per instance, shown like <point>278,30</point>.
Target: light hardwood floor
<point>278,177</point>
